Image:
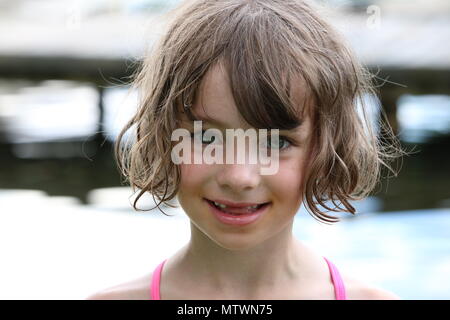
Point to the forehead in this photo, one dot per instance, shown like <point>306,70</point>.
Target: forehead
<point>215,98</point>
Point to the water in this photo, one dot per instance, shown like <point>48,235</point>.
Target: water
<point>422,118</point>
<point>57,248</point>
<point>49,111</point>
<point>404,252</point>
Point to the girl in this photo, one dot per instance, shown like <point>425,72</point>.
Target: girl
<point>243,64</point>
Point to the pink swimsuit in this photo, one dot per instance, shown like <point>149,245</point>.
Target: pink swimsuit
<point>339,289</point>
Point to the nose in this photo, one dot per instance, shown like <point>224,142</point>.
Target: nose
<point>238,177</point>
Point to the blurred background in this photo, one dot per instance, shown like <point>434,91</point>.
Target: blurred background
<point>67,228</point>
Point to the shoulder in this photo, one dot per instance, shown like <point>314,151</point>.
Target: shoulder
<point>137,289</point>
<point>358,290</point>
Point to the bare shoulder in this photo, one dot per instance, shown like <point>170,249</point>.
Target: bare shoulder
<point>137,289</point>
<point>358,290</point>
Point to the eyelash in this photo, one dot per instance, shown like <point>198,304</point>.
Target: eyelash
<point>291,143</point>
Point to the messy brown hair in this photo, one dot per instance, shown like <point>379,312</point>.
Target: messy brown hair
<point>264,45</point>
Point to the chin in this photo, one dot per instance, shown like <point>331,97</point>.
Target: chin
<point>236,242</point>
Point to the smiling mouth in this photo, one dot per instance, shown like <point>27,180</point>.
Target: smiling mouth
<point>237,210</point>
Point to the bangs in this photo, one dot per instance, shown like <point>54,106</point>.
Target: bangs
<point>264,102</point>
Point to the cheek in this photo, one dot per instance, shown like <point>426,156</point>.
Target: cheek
<point>291,175</point>
<point>288,181</point>
<point>193,175</point>
<point>193,183</point>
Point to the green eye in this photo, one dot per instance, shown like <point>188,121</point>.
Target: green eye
<point>283,143</point>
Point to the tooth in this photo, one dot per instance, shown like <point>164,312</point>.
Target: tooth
<point>220,205</point>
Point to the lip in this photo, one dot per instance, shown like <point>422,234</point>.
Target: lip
<point>237,220</point>
<point>235,204</point>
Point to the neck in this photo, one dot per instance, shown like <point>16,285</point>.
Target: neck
<point>274,262</point>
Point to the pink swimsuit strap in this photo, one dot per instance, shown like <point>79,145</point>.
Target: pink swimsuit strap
<point>156,280</point>
<point>339,288</point>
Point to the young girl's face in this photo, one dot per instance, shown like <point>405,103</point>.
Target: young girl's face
<point>242,183</point>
